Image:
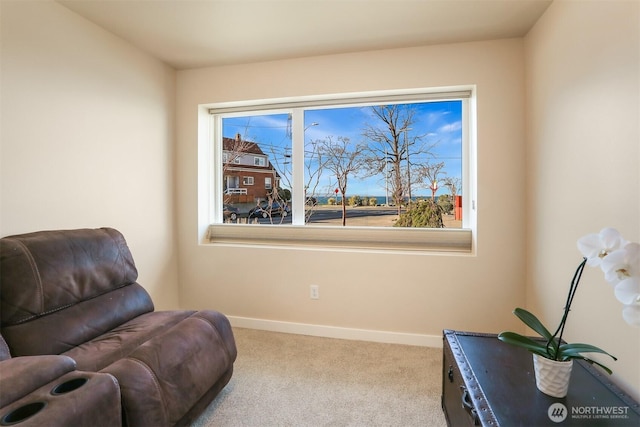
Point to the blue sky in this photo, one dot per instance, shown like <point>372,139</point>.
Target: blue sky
<point>438,122</point>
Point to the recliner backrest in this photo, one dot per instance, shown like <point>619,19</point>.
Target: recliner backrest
<point>59,289</point>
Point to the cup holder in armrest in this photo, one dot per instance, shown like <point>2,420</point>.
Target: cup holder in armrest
<point>22,413</point>
<point>68,386</point>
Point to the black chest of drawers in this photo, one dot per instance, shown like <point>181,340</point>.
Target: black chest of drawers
<point>487,382</point>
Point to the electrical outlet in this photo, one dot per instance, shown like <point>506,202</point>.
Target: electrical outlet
<point>314,291</point>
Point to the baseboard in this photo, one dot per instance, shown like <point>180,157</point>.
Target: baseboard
<point>338,332</point>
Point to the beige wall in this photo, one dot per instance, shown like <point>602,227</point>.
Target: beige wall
<point>583,158</point>
<point>87,136</point>
<point>415,294</point>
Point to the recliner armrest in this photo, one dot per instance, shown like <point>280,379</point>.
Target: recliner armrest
<point>20,376</point>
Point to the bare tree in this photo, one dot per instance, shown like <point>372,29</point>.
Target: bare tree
<point>390,143</point>
<point>429,174</point>
<point>343,159</point>
<point>314,163</point>
<point>454,184</point>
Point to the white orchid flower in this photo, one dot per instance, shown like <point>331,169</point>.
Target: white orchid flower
<point>622,264</point>
<point>595,247</point>
<point>628,291</point>
<point>631,314</point>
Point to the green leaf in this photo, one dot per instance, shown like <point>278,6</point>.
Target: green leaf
<point>574,350</point>
<point>532,321</point>
<point>577,348</point>
<point>593,362</point>
<point>524,342</point>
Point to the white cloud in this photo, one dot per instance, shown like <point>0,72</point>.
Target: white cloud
<point>451,127</point>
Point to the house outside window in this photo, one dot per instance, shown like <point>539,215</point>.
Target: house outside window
<point>237,163</point>
<point>380,162</point>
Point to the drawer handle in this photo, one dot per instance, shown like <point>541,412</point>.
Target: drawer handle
<point>468,405</point>
<point>450,374</point>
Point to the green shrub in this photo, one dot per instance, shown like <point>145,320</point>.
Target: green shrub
<point>355,201</point>
<point>424,214</point>
<point>445,203</point>
<point>284,194</point>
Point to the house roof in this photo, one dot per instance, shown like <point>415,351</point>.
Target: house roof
<point>247,147</point>
<point>237,144</point>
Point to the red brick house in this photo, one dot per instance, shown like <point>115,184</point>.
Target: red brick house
<point>248,176</point>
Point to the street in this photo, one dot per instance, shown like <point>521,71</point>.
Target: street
<point>364,216</point>
<point>332,215</point>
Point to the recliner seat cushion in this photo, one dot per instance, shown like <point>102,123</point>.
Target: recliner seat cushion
<point>164,377</point>
<point>119,342</point>
<point>164,362</point>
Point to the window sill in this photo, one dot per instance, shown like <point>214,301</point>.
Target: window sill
<point>357,238</point>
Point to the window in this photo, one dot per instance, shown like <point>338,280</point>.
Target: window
<point>398,166</point>
<point>247,180</point>
<point>230,158</point>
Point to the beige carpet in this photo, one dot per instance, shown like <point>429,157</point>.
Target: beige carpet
<point>295,380</point>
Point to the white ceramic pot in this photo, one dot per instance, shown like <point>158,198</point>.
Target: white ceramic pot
<point>552,376</point>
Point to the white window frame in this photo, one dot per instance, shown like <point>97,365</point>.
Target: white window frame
<point>247,180</point>
<point>268,186</point>
<point>214,231</point>
<point>259,161</point>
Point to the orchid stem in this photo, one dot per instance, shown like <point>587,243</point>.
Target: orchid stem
<point>572,291</point>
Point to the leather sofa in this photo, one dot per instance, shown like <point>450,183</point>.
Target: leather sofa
<point>73,294</point>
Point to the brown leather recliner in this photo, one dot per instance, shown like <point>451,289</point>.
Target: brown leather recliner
<point>74,293</point>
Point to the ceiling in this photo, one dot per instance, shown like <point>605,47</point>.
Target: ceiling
<point>198,33</point>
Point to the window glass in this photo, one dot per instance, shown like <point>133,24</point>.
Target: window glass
<point>257,147</point>
<point>381,165</point>
<point>384,165</point>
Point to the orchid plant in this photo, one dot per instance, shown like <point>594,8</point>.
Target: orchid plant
<point>620,263</point>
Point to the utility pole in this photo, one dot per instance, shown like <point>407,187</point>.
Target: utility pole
<point>406,144</point>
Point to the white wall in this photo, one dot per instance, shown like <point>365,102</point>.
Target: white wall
<point>87,137</point>
<point>416,294</point>
<point>583,158</point>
